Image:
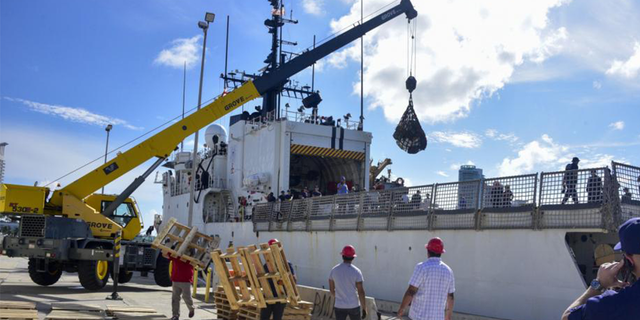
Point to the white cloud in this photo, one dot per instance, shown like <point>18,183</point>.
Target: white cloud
<point>597,85</point>
<point>627,69</point>
<point>29,158</point>
<point>545,154</point>
<point>598,161</point>
<point>183,50</point>
<point>457,139</point>
<point>466,51</point>
<point>73,114</point>
<point>618,125</point>
<point>495,135</point>
<point>442,173</point>
<point>456,166</point>
<point>313,7</point>
<point>539,153</point>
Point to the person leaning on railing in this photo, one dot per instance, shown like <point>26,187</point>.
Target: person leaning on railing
<point>612,305</point>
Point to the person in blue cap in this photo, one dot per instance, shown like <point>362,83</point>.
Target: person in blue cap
<point>343,188</point>
<point>612,305</point>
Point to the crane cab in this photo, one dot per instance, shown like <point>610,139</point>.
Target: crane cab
<point>127,215</point>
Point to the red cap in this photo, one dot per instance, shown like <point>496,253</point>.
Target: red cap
<point>272,241</point>
<point>348,251</point>
<point>435,245</point>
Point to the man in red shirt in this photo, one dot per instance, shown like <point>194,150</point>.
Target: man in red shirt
<point>182,278</point>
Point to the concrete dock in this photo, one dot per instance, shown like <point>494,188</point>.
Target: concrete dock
<point>15,285</point>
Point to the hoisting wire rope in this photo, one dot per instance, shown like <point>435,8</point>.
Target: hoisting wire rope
<point>409,135</point>
<point>349,26</point>
<point>129,142</point>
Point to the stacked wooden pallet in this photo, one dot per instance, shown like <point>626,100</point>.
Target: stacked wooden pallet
<point>223,308</point>
<point>179,241</point>
<point>18,310</point>
<point>246,281</point>
<point>133,313</point>
<point>301,312</point>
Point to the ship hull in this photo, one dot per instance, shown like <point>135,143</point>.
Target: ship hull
<point>506,274</point>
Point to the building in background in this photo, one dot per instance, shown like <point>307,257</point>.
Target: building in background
<point>468,194</point>
<point>2,145</point>
<point>469,172</point>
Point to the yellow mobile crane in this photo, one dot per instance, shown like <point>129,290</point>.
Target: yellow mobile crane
<point>74,229</point>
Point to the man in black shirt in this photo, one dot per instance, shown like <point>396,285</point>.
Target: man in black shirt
<point>277,309</point>
<point>594,188</point>
<point>570,180</point>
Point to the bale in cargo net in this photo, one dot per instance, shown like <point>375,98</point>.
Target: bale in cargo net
<point>409,135</point>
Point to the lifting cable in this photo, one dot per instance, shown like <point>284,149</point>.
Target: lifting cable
<point>409,135</point>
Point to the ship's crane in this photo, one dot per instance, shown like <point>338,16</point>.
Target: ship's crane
<point>92,217</point>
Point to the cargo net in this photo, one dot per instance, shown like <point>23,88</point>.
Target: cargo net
<point>628,178</point>
<point>409,134</point>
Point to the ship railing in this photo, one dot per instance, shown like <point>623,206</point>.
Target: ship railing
<point>307,117</point>
<point>177,188</point>
<point>508,202</point>
<point>533,201</point>
<point>628,178</point>
<point>572,198</point>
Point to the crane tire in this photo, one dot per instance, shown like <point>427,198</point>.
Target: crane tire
<point>162,274</point>
<point>46,278</point>
<point>93,275</point>
<point>123,277</point>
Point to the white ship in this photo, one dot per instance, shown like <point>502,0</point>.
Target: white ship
<point>522,258</point>
<point>516,250</point>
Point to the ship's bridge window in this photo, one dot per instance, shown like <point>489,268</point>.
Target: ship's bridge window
<point>122,215</point>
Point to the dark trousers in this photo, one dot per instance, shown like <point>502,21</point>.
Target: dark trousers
<point>570,192</point>
<point>341,314</point>
<point>277,309</point>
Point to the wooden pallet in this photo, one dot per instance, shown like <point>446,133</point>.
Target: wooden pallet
<point>302,312</point>
<point>138,316</point>
<point>246,281</point>
<point>223,308</point>
<point>17,305</point>
<point>18,314</point>
<point>75,307</point>
<point>75,315</point>
<point>180,241</point>
<point>18,310</point>
<point>133,313</point>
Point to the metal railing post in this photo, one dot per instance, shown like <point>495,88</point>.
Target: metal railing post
<point>390,215</point>
<point>432,206</point>
<point>289,216</point>
<point>539,213</point>
<point>308,216</point>
<point>479,205</point>
<point>360,211</point>
<point>333,210</point>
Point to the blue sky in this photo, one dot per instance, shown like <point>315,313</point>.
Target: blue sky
<point>512,87</point>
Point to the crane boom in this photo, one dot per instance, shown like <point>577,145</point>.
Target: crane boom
<point>164,142</point>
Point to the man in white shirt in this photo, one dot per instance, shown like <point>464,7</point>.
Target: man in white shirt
<point>344,280</point>
<point>431,287</point>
